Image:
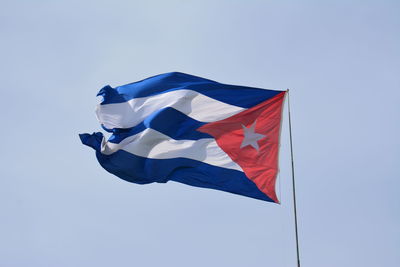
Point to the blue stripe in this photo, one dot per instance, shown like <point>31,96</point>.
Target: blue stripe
<point>142,170</point>
<point>168,121</point>
<point>240,96</point>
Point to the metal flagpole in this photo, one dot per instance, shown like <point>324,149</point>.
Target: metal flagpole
<point>294,186</point>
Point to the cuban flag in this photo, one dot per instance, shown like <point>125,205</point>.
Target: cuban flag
<point>191,130</point>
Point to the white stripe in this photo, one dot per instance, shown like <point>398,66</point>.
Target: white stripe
<point>191,103</point>
<point>153,144</point>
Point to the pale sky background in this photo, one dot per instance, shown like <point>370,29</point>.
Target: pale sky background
<point>341,59</point>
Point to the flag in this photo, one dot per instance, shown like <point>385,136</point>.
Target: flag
<point>191,130</point>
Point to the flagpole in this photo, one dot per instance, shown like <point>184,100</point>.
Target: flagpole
<point>294,185</point>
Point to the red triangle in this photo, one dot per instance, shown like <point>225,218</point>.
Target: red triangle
<point>260,166</point>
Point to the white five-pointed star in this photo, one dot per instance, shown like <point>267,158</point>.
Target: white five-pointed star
<point>251,137</point>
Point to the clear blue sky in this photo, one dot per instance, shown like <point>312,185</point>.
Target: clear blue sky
<point>340,59</point>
